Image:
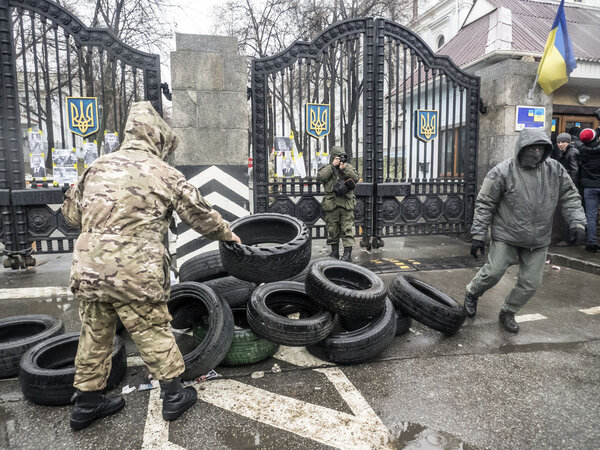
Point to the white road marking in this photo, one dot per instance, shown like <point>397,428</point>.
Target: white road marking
<point>591,311</point>
<point>156,431</point>
<point>529,317</point>
<point>35,292</point>
<point>362,429</point>
<point>133,361</point>
<point>318,423</point>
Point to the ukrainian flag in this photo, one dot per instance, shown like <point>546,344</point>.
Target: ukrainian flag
<point>558,60</point>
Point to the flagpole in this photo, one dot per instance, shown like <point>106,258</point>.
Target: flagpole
<point>532,90</point>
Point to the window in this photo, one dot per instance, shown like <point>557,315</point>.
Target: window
<point>440,42</point>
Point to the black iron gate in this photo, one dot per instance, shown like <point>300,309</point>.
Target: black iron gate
<point>47,54</point>
<point>375,75</point>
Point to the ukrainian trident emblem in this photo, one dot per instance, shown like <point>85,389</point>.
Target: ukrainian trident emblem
<point>426,124</point>
<point>317,119</point>
<point>82,115</point>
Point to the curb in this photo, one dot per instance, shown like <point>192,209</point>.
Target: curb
<point>574,263</point>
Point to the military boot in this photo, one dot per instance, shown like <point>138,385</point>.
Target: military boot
<point>347,256</point>
<point>507,319</point>
<point>91,405</point>
<point>177,399</point>
<point>471,304</point>
<point>335,251</point>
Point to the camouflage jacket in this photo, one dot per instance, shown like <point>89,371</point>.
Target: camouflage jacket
<point>329,175</point>
<point>123,204</point>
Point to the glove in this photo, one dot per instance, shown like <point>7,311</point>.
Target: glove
<point>477,245</point>
<point>577,235</point>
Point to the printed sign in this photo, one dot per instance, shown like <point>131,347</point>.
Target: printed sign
<point>317,119</point>
<point>530,117</point>
<point>82,115</point>
<point>426,124</point>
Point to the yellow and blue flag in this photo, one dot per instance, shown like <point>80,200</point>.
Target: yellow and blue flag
<point>558,60</point>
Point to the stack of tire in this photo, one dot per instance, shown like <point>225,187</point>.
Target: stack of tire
<point>35,348</point>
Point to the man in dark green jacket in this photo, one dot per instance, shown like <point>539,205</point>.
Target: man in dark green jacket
<point>339,206</point>
<point>517,200</point>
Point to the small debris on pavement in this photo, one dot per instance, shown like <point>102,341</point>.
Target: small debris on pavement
<point>276,368</point>
<point>127,389</point>
<point>556,267</point>
<point>210,375</point>
<point>145,387</point>
<point>547,261</point>
<point>258,374</point>
<point>415,332</point>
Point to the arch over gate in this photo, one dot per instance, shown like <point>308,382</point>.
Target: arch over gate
<point>375,75</point>
<point>47,55</point>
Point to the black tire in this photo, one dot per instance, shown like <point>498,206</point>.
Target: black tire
<point>252,262</point>
<point>47,370</point>
<point>346,288</point>
<point>403,321</point>
<point>247,347</point>
<point>301,277</point>
<point>270,305</point>
<point>427,304</point>
<point>203,267</point>
<point>202,302</point>
<point>234,291</point>
<point>20,333</point>
<point>363,344</point>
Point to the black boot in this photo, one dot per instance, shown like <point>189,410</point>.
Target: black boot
<point>91,405</point>
<point>335,251</point>
<point>177,399</point>
<point>347,256</point>
<point>507,319</point>
<point>471,304</point>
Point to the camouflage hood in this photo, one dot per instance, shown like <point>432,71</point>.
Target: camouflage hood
<point>146,131</point>
<point>336,150</point>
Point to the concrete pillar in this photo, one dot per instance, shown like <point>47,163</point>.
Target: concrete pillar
<point>210,113</point>
<point>505,85</point>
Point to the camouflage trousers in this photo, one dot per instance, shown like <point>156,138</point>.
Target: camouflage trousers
<point>148,325</point>
<point>340,224</point>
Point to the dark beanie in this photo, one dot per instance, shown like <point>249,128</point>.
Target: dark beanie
<point>563,137</point>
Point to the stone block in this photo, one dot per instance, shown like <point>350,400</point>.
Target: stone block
<point>207,146</point>
<point>206,44</point>
<point>237,146</point>
<point>184,108</point>
<point>226,110</point>
<point>236,74</point>
<point>199,71</point>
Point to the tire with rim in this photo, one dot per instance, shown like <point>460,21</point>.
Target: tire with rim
<point>247,347</point>
<point>202,302</point>
<point>20,333</point>
<point>346,288</point>
<point>363,344</point>
<point>403,321</point>
<point>256,259</point>
<point>271,305</point>
<point>426,304</point>
<point>47,370</point>
<point>203,267</point>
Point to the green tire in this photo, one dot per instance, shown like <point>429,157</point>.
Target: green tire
<point>247,347</point>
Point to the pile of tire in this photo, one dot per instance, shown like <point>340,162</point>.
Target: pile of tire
<point>35,348</point>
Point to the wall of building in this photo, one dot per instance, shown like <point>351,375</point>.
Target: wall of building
<point>505,85</point>
<point>210,114</point>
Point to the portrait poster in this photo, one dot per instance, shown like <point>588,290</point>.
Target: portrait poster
<point>38,170</point>
<point>89,153</point>
<point>111,142</point>
<point>35,141</point>
<point>64,175</point>
<point>64,157</point>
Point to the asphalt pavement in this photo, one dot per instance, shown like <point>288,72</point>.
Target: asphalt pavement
<point>481,388</point>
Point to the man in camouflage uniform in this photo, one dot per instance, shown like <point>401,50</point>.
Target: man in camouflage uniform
<point>123,205</point>
<point>339,209</point>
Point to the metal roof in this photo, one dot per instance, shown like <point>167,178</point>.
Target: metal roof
<point>531,23</point>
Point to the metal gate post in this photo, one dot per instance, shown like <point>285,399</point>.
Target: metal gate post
<point>12,170</point>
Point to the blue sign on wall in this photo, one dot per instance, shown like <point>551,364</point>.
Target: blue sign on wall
<point>530,117</point>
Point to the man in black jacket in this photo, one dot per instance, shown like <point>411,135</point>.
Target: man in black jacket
<point>568,157</point>
<point>589,151</point>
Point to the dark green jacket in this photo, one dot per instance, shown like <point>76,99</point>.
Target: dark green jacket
<point>519,203</point>
<point>329,175</point>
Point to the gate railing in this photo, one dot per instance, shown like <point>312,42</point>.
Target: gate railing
<point>47,55</point>
<point>374,74</point>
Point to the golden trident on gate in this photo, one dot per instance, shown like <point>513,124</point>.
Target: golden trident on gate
<point>428,125</point>
<point>78,120</point>
<point>318,125</point>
